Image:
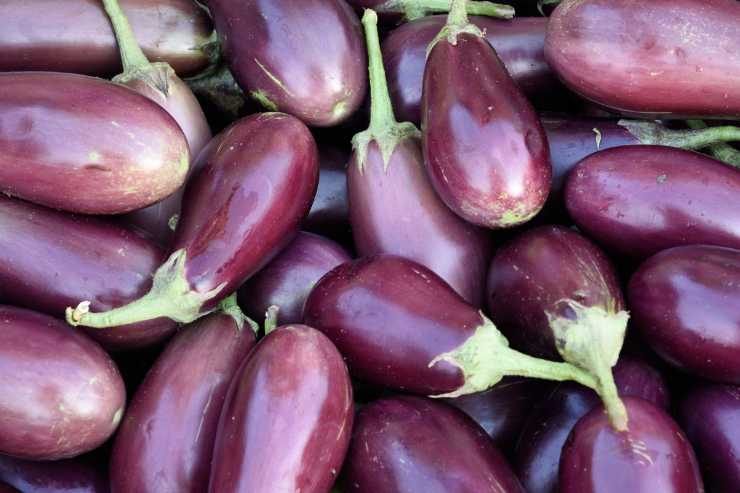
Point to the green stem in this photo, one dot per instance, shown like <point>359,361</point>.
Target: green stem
<point>458,16</point>
<point>721,151</point>
<point>230,307</point>
<point>132,57</point>
<point>652,133</point>
<point>271,318</point>
<point>413,9</point>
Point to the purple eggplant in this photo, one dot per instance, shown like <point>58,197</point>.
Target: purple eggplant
<point>61,393</point>
<point>710,415</point>
<point>51,259</point>
<point>683,303</point>
<point>484,147</point>
<point>6,488</point>
<point>653,455</point>
<point>86,145</point>
<point>397,10</point>
<point>287,420</point>
<point>246,203</point>
<point>302,57</point>
<point>411,444</point>
<point>673,57</point>
<point>329,214</point>
<point>639,200</point>
<point>288,279</point>
<point>62,476</point>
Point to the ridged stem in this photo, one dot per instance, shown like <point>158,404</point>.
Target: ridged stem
<point>132,57</point>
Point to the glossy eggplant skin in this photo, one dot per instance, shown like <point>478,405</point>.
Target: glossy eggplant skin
<point>305,57</point>
<point>409,444</point>
<point>50,260</point>
<point>287,419</point>
<point>709,415</point>
<point>519,43</point>
<point>329,214</point>
<point>683,302</point>
<point>639,200</point>
<point>672,57</point>
<point>64,476</point>
<point>86,145</point>
<point>287,281</point>
<point>61,393</point>
<point>166,439</point>
<point>652,455</point>
<point>484,147</point>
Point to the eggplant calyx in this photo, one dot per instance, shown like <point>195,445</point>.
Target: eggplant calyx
<point>170,296</point>
<point>457,23</point>
<point>231,308</point>
<point>723,152</point>
<point>156,75</point>
<point>413,9</point>
<point>651,133</point>
<point>218,87</point>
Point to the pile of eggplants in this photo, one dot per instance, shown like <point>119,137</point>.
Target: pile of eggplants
<point>373,246</point>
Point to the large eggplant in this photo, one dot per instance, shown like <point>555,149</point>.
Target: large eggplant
<point>61,476</point>
<point>287,419</point>
<point>86,145</point>
<point>60,394</point>
<point>667,57</point>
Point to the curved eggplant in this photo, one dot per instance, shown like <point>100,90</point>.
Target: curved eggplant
<point>60,394</point>
<point>329,214</point>
<point>62,476</point>
<point>287,419</point>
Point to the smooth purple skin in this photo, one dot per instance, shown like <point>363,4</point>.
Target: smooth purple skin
<point>395,210</point>
<point>639,200</point>
<point>652,455</point>
<point>683,301</point>
<point>287,420</point>
<point>86,145</point>
<point>329,214</point>
<point>519,43</point>
<point>710,416</point>
<point>165,442</point>
<point>50,260</point>
<point>306,56</point>
<point>60,394</point>
<point>410,444</point>
<point>673,57</point>
<point>65,476</point>
<point>288,279</point>
<point>484,147</point>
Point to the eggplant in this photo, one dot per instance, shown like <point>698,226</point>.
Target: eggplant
<point>246,203</point>
<point>396,10</point>
<point>61,393</point>
<point>51,259</point>
<point>288,279</point>
<point>710,414</point>
<point>484,147</point>
<point>639,200</point>
<point>653,455</point>
<point>62,476</point>
<point>287,419</point>
<point>329,214</point>
<point>409,444</point>
<point>6,488</point>
<point>165,442</point>
<point>86,145</point>
<point>683,303</point>
<point>666,57</point>
<point>302,57</point>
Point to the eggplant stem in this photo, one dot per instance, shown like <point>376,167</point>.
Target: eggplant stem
<point>414,9</point>
<point>724,152</point>
<point>457,23</point>
<point>132,57</point>
<point>651,133</point>
<point>231,308</point>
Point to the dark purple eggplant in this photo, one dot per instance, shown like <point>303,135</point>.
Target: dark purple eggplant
<point>392,203</point>
<point>411,444</point>
<point>287,420</point>
<point>6,488</point>
<point>51,259</point>
<point>683,301</point>
<point>414,9</point>
<point>653,455</point>
<point>245,205</point>
<point>667,57</point>
<point>710,415</point>
<point>86,145</point>
<point>61,394</point>
<point>62,476</point>
<point>288,279</point>
<point>484,147</point>
<point>639,200</point>
<point>329,214</point>
<point>165,441</point>
<point>302,57</point>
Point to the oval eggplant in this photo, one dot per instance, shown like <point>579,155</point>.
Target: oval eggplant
<point>673,57</point>
<point>409,444</point>
<point>62,476</point>
<point>61,393</point>
<point>329,214</point>
<point>86,145</point>
<point>683,301</point>
<point>287,419</point>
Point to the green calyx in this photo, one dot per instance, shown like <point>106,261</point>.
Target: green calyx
<point>218,86</point>
<point>457,23</point>
<point>230,307</point>
<point>652,133</point>
<point>414,9</point>
<point>157,75</point>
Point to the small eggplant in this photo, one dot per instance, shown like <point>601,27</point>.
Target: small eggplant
<point>411,444</point>
<point>60,394</point>
<point>62,476</point>
<point>414,9</point>
<point>329,214</point>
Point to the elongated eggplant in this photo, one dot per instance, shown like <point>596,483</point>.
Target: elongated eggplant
<point>396,10</point>
<point>245,204</point>
<point>638,200</point>
<point>86,145</point>
<point>287,420</point>
<point>484,147</point>
<point>329,214</point>
<point>62,476</point>
<point>409,444</point>
<point>61,393</point>
<point>672,57</point>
